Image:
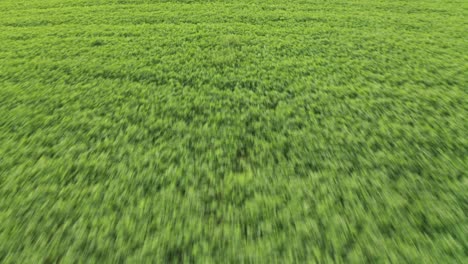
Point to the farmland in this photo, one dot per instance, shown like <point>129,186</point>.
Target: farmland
<point>233,131</point>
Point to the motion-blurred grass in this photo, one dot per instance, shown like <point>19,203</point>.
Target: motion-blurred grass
<point>233,131</point>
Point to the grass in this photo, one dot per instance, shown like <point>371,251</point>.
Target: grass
<point>233,131</point>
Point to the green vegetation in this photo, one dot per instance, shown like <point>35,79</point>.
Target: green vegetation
<point>233,131</point>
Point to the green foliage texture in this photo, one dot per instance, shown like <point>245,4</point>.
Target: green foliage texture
<point>260,131</point>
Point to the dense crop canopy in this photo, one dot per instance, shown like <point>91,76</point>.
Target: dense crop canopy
<point>233,131</point>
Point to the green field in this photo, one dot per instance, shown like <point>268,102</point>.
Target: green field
<point>260,131</point>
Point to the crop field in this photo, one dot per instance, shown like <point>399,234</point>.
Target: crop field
<point>259,131</point>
